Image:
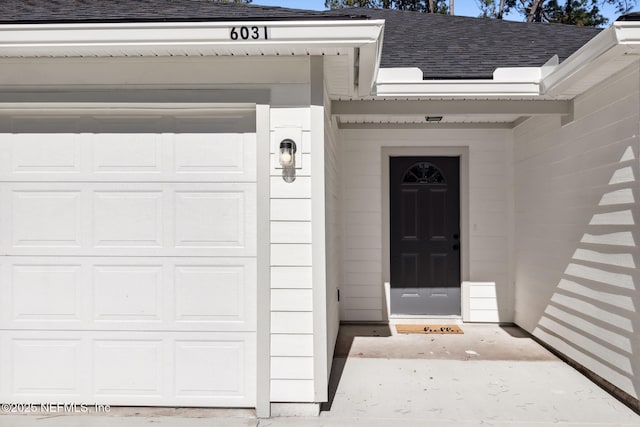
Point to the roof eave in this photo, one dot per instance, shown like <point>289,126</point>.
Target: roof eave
<point>458,88</point>
<point>607,53</point>
<point>506,82</point>
<point>601,47</point>
<point>302,37</point>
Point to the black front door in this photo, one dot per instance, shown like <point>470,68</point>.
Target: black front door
<point>425,235</point>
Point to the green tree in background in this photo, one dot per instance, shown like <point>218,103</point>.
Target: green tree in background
<point>572,12</point>
<point>426,6</point>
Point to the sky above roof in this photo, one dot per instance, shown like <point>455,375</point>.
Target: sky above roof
<point>462,7</point>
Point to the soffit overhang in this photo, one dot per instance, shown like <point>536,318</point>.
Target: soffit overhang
<point>358,42</point>
<point>402,97</point>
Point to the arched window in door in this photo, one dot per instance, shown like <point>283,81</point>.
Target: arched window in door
<point>423,173</point>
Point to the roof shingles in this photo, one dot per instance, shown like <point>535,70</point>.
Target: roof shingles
<point>458,47</point>
<point>442,46</point>
<point>69,11</point>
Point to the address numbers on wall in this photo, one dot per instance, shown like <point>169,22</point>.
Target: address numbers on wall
<point>249,33</point>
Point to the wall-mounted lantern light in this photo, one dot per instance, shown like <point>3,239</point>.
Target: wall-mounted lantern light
<point>287,159</point>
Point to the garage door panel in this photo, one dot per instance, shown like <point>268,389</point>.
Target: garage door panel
<point>204,219</point>
<point>209,219</point>
<point>128,292</point>
<point>45,218</point>
<point>206,369</point>
<point>175,294</point>
<point>124,154</point>
<point>50,366</point>
<point>56,154</point>
<point>131,157</point>
<point>227,157</point>
<point>129,368</point>
<point>128,219</point>
<point>128,265</point>
<point>51,292</point>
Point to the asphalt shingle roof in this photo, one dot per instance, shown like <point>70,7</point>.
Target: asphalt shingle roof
<point>69,11</point>
<point>460,47</point>
<point>442,46</point>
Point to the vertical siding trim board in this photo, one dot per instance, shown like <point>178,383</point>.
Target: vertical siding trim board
<point>333,230</point>
<point>318,231</point>
<point>263,386</point>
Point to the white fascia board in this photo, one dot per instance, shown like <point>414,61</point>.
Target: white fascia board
<point>580,60</point>
<point>200,39</point>
<point>369,64</point>
<point>399,74</point>
<point>627,32</point>
<point>457,88</point>
<point>101,39</point>
<point>517,74</point>
<point>621,39</point>
<point>506,82</point>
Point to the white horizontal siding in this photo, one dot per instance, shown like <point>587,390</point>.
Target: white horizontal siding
<point>290,255</point>
<point>296,368</point>
<point>292,349</point>
<point>291,300</point>
<point>361,205</point>
<point>291,322</point>
<point>291,390</point>
<point>290,232</point>
<point>299,189</point>
<point>290,210</point>
<point>291,345</point>
<point>576,216</point>
<point>291,277</point>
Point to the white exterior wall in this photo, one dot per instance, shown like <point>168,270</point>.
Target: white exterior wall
<point>333,228</point>
<point>577,281</point>
<point>293,329</point>
<point>291,261</point>
<point>490,213</point>
<point>298,269</point>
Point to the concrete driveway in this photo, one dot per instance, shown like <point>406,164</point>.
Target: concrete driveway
<point>490,375</point>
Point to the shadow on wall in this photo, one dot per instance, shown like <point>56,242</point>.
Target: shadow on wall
<point>593,316</point>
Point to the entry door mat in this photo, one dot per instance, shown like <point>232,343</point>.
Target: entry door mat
<point>429,329</point>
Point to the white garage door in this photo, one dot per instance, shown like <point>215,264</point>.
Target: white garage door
<point>128,260</point>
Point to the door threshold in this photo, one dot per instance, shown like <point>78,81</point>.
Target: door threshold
<point>415,319</point>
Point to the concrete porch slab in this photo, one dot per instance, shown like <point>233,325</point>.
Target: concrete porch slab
<point>385,380</point>
<point>479,342</point>
<point>454,392</point>
<point>492,374</point>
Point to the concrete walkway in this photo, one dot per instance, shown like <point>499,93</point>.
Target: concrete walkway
<point>491,375</point>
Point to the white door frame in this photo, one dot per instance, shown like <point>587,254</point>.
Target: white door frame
<point>387,153</point>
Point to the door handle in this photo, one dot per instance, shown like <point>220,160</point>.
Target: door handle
<point>456,247</point>
<point>456,236</point>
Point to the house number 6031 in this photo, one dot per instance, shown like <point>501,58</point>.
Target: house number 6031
<point>248,33</point>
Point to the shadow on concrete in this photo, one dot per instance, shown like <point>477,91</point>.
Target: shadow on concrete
<point>515,331</point>
<point>344,343</point>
